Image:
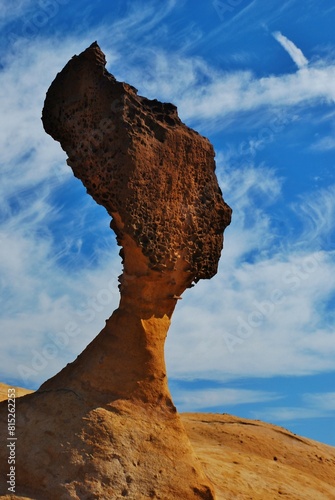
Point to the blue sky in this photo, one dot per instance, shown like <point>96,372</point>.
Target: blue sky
<point>258,79</point>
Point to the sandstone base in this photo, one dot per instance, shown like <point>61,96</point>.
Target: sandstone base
<point>66,449</point>
<point>89,434</point>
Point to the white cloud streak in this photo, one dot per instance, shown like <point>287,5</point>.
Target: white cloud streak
<point>317,215</point>
<point>313,406</point>
<point>198,400</point>
<point>286,414</point>
<point>324,401</point>
<point>259,319</point>
<point>243,92</point>
<point>293,51</point>
<point>11,11</point>
<point>324,144</point>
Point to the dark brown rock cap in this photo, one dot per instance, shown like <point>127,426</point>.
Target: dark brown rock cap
<point>154,175</point>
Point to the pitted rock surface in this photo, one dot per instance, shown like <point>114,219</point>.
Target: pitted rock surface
<point>153,174</point>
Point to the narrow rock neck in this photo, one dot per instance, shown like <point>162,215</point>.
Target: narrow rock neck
<point>153,295</point>
<point>146,292</point>
<point>126,360</point>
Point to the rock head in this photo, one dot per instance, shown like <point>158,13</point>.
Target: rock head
<point>107,427</point>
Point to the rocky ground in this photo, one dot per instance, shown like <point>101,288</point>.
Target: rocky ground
<point>249,459</point>
<point>253,460</point>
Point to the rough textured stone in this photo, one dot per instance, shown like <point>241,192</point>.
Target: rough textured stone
<point>154,175</point>
<point>251,459</point>
<point>105,426</point>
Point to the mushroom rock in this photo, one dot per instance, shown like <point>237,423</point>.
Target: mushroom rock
<point>105,426</point>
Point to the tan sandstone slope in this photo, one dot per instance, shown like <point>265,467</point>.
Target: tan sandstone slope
<point>248,459</point>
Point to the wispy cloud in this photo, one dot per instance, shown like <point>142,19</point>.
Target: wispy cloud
<point>200,400</point>
<point>243,92</point>
<point>294,52</point>
<point>263,319</point>
<point>324,144</point>
<point>313,406</point>
<point>9,12</point>
<point>324,402</point>
<point>317,216</point>
<point>286,414</point>
<point>230,12</point>
<point>140,20</point>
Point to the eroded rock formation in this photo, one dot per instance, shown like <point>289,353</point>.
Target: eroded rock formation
<point>107,427</point>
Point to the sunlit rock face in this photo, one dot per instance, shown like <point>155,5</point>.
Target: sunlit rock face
<point>107,427</point>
